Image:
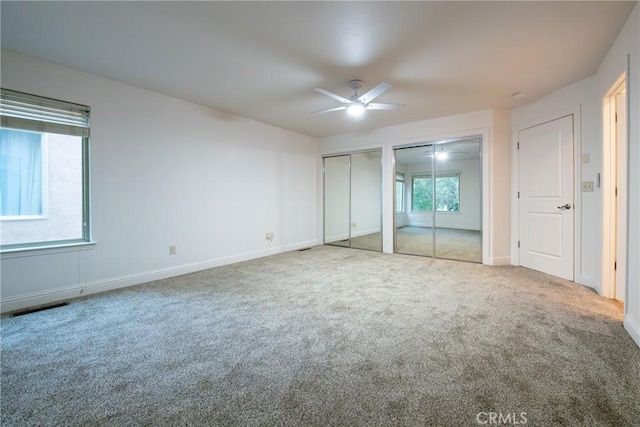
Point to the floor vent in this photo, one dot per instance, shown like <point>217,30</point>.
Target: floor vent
<point>36,309</point>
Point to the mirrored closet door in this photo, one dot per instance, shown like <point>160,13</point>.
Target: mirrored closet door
<point>439,200</point>
<point>353,200</point>
<point>337,200</point>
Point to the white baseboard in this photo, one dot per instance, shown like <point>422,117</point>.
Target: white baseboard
<point>632,328</point>
<point>500,260</point>
<point>33,299</point>
<point>19,302</point>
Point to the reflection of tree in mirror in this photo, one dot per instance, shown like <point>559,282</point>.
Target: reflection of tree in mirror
<point>422,194</point>
<point>447,193</point>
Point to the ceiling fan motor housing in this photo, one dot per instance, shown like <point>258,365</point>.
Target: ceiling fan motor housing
<point>355,84</point>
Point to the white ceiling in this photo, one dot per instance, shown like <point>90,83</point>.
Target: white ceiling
<point>261,60</point>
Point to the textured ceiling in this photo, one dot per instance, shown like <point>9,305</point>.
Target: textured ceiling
<point>261,60</point>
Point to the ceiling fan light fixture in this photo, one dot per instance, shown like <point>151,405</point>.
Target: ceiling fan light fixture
<point>355,109</point>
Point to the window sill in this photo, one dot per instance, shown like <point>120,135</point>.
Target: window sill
<point>23,217</point>
<point>45,249</point>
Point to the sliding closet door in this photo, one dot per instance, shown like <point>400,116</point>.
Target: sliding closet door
<point>414,200</point>
<point>458,200</point>
<point>438,200</point>
<point>353,200</point>
<point>366,200</point>
<point>337,200</point>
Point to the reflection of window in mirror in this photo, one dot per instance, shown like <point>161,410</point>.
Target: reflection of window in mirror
<point>399,192</point>
<point>447,192</point>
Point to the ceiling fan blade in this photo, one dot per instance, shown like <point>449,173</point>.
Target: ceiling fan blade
<point>375,92</point>
<point>333,95</point>
<point>379,106</point>
<point>328,110</point>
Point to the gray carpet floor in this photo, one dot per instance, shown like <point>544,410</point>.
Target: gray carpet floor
<point>326,337</point>
<point>451,243</point>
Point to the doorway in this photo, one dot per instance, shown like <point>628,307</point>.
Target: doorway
<point>615,192</point>
<point>438,200</point>
<point>353,200</point>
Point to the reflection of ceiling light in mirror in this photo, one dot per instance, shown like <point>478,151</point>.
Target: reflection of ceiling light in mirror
<point>355,110</point>
<point>442,155</point>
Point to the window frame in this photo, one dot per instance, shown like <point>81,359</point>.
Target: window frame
<point>75,124</point>
<point>402,193</point>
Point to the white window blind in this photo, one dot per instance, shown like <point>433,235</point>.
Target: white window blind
<point>27,112</point>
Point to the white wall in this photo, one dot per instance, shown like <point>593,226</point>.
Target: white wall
<point>165,172</point>
<point>585,99</point>
<point>615,63</point>
<point>494,130</point>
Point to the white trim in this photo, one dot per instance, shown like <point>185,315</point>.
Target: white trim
<point>610,171</point>
<point>501,260</point>
<point>53,295</point>
<point>23,217</point>
<point>632,328</point>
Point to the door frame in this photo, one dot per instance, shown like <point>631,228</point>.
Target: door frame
<point>612,230</point>
<point>576,112</point>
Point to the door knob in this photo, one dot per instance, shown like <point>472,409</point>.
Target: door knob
<point>565,207</point>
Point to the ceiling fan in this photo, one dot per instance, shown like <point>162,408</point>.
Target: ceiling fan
<point>357,104</point>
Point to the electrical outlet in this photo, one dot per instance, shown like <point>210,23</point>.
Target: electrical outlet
<point>587,186</point>
<point>269,236</point>
<point>172,250</point>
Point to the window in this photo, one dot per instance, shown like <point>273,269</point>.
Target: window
<point>447,192</point>
<point>399,193</point>
<point>44,189</point>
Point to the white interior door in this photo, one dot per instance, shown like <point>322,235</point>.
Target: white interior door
<point>545,158</point>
